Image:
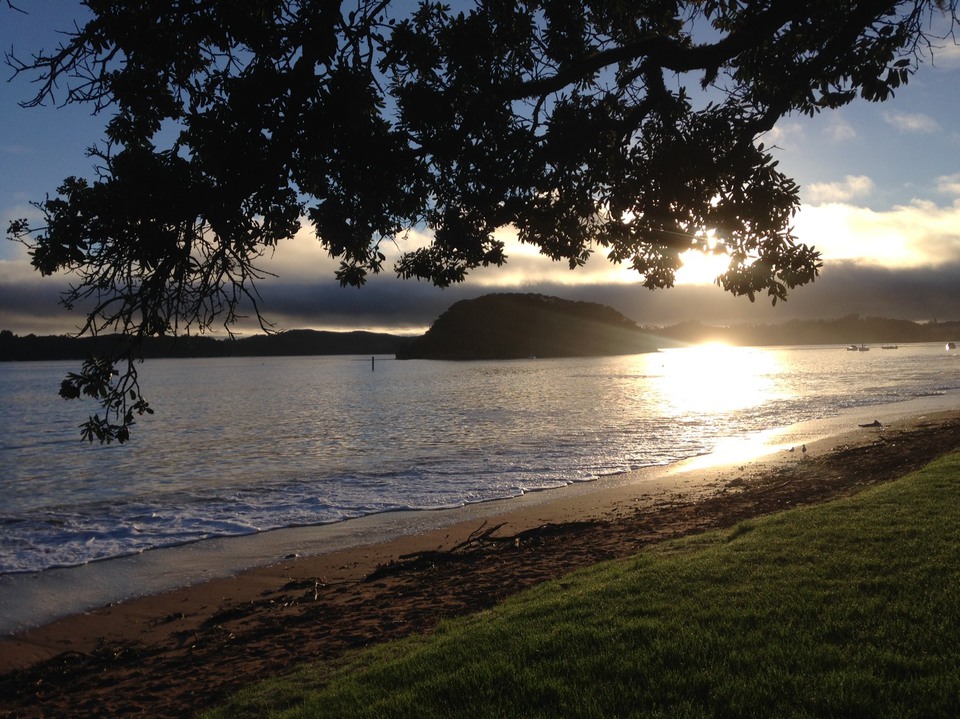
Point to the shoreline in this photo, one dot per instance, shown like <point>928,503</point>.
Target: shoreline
<point>172,653</point>
<point>30,601</point>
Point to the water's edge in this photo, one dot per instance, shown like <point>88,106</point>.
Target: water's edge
<point>32,599</point>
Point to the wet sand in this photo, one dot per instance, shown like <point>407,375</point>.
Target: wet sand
<point>170,653</point>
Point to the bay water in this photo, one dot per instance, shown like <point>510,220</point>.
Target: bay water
<point>244,445</point>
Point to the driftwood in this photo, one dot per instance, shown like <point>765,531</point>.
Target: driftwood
<point>480,541</point>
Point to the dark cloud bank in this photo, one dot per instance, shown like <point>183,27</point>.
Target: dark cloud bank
<point>389,304</point>
<point>842,289</point>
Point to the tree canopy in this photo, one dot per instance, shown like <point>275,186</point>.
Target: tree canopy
<point>631,128</point>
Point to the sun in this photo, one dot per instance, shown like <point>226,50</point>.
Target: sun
<point>701,268</point>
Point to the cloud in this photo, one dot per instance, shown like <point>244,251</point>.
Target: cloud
<point>785,135</point>
<point>949,184</point>
<point>16,251</point>
<point>392,305</point>
<point>303,259</point>
<point>903,262</point>
<point>29,304</point>
<point>947,56</point>
<point>841,131</point>
<point>917,294</point>
<point>920,234</point>
<point>843,288</point>
<point>912,122</point>
<point>851,187</point>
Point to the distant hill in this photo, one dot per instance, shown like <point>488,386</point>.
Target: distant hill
<point>510,326</point>
<point>293,342</point>
<point>852,329</point>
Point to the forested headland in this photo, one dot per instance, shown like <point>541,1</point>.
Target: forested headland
<point>511,326</point>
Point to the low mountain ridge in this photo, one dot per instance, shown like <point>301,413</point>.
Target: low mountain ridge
<point>288,343</point>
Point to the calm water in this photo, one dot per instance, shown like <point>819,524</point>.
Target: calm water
<point>244,445</point>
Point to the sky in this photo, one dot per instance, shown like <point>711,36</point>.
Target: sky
<point>880,185</point>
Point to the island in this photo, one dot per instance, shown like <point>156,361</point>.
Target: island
<point>514,326</point>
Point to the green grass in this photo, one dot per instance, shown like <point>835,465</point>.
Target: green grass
<point>849,609</point>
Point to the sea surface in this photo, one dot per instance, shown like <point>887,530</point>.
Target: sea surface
<point>239,446</point>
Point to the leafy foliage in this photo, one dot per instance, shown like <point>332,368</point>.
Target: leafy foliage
<point>120,399</point>
<point>628,128</point>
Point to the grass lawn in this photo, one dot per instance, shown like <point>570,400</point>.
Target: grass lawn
<point>849,609</point>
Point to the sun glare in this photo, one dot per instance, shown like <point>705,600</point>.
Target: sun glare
<point>701,268</point>
<point>714,379</point>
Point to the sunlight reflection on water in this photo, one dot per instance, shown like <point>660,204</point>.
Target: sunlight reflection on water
<point>716,379</point>
<point>242,445</point>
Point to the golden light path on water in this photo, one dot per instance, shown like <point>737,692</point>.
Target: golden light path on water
<point>710,382</point>
<point>714,379</point>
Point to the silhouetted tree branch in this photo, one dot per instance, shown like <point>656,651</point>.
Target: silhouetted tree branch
<point>629,128</point>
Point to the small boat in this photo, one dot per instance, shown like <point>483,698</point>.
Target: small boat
<point>889,347</point>
<point>863,348</point>
<point>951,345</point>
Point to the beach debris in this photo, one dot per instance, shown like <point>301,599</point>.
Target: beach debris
<point>312,585</point>
<point>174,617</point>
<point>229,614</point>
<point>480,541</point>
<point>874,423</point>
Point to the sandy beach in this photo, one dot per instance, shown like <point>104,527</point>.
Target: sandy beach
<point>317,592</point>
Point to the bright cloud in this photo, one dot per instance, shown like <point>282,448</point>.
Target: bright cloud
<point>907,236</point>
<point>785,135</point>
<point>15,250</point>
<point>526,266</point>
<point>949,184</point>
<point>920,234</point>
<point>302,257</point>
<point>912,122</point>
<point>851,187</point>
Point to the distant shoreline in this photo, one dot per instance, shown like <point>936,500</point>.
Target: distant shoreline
<point>843,331</point>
